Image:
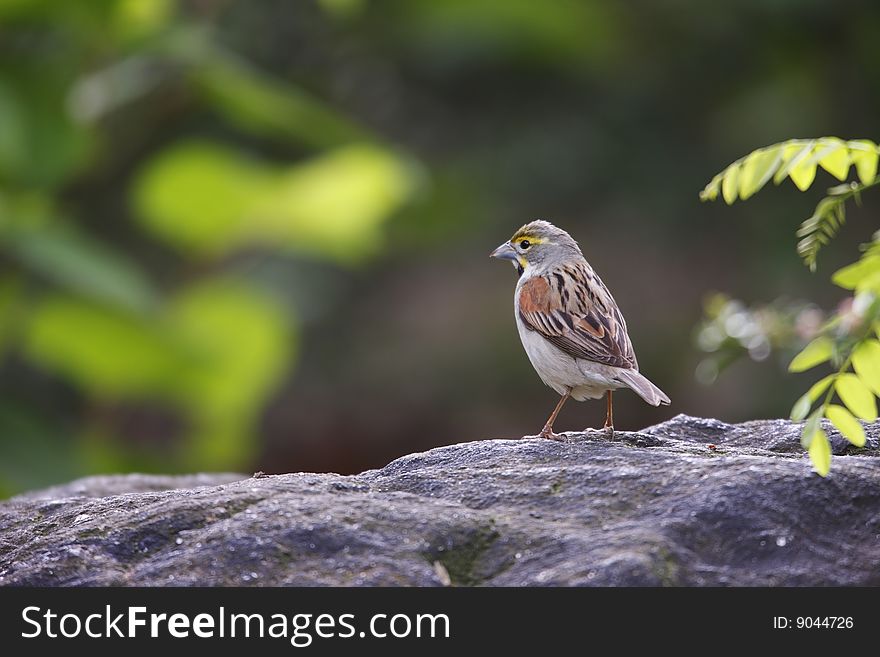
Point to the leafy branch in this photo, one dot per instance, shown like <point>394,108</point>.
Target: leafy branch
<point>798,159</point>
<point>851,346</point>
<point>855,389</point>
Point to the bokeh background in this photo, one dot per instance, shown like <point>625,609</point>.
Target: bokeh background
<point>253,235</point>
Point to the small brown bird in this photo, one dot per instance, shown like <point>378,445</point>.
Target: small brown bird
<point>569,324</point>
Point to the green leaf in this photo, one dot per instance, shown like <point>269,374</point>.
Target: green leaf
<point>757,169</point>
<point>793,153</point>
<point>267,106</point>
<point>240,337</point>
<point>820,386</point>
<point>820,453</point>
<point>835,158</point>
<point>215,352</point>
<point>335,205</point>
<point>857,397</point>
<point>108,352</point>
<point>866,362</point>
<point>82,265</point>
<point>730,183</point>
<point>801,408</point>
<point>869,284</point>
<point>848,426</point>
<point>803,173</point>
<point>197,195</point>
<point>815,353</point>
<point>811,426</point>
<point>211,200</point>
<point>243,345</point>
<point>710,191</point>
<point>851,276</point>
<point>864,155</point>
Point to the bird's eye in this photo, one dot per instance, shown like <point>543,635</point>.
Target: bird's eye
<point>524,245</point>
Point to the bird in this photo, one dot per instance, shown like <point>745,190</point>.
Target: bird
<point>570,326</point>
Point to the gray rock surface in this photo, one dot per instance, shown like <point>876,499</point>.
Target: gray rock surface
<point>657,507</point>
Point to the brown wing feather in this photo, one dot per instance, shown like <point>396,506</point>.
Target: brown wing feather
<point>573,309</point>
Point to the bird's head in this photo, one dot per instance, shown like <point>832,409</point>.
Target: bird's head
<point>539,245</point>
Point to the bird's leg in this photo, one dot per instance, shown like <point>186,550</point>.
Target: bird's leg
<point>609,416</point>
<point>547,431</point>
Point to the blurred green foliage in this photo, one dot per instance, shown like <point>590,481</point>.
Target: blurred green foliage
<point>210,201</point>
<point>731,330</point>
<point>89,309</point>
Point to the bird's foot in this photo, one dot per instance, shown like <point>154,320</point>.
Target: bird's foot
<point>606,431</point>
<point>549,435</point>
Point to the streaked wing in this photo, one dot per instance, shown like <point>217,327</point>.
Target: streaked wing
<point>573,309</point>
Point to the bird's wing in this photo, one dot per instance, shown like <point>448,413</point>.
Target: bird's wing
<point>573,309</point>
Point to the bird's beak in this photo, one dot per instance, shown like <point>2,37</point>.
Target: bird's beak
<point>505,252</point>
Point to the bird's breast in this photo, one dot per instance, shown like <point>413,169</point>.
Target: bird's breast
<point>559,370</point>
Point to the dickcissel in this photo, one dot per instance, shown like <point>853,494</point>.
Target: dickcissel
<point>570,326</point>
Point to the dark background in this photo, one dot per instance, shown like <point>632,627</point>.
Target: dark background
<point>254,235</point>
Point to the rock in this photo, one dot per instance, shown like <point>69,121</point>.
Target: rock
<point>656,507</point>
<point>107,485</point>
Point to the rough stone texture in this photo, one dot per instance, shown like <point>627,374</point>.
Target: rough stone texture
<point>657,507</point>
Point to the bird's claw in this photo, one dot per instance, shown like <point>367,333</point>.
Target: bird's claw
<point>549,435</point>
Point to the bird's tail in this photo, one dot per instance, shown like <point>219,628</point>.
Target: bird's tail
<point>644,388</point>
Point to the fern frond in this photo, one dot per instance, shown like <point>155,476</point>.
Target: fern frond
<point>818,230</point>
<point>796,159</point>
